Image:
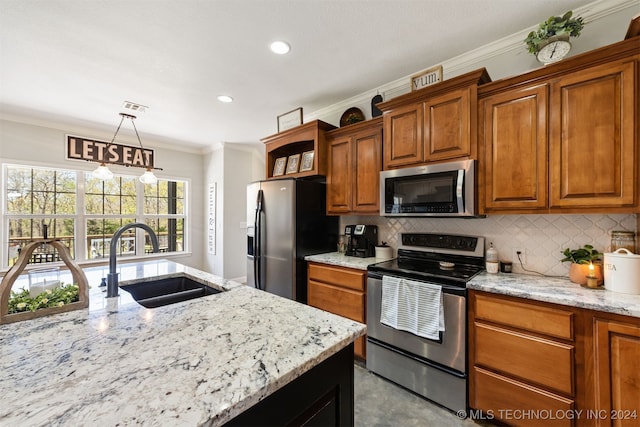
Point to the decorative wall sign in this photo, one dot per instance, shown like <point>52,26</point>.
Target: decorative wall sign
<point>426,78</point>
<point>111,153</point>
<point>290,120</point>
<point>211,224</point>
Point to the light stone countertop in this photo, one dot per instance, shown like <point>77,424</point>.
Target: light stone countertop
<point>199,361</point>
<point>336,258</point>
<point>540,288</point>
<point>557,290</point>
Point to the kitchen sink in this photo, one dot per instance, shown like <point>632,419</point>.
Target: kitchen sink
<point>160,292</point>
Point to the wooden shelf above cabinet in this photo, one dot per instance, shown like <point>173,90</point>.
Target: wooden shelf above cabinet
<point>306,137</point>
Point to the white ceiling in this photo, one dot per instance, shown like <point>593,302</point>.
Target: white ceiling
<point>74,62</point>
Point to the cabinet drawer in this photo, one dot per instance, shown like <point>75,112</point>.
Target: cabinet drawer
<point>343,302</point>
<point>549,321</point>
<point>539,361</point>
<point>517,403</point>
<point>339,276</point>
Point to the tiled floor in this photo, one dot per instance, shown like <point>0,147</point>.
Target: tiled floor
<point>379,403</point>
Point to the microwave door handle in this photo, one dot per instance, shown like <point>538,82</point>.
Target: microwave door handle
<point>460,191</point>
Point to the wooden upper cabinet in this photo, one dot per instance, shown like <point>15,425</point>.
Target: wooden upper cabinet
<point>367,155</point>
<point>563,138</point>
<point>355,161</point>
<point>298,140</point>
<point>403,143</point>
<point>339,179</point>
<point>592,138</point>
<point>447,133</point>
<point>432,124</point>
<point>513,141</point>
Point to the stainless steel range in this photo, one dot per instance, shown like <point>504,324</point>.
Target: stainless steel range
<point>433,368</point>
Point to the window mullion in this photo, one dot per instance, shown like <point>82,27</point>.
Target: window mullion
<point>81,219</point>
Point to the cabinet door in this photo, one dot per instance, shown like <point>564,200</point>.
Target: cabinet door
<point>367,159</point>
<point>339,179</point>
<point>447,126</point>
<point>514,149</point>
<point>403,144</point>
<point>617,377</point>
<point>592,146</point>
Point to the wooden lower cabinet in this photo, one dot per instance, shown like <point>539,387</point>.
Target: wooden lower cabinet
<point>541,364</point>
<point>342,291</point>
<point>517,403</point>
<point>616,371</point>
<point>523,360</point>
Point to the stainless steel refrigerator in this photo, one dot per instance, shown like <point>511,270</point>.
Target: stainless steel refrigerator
<point>286,221</point>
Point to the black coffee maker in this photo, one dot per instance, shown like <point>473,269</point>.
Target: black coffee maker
<point>361,240</point>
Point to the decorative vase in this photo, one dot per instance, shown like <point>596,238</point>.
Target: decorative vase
<point>578,273</point>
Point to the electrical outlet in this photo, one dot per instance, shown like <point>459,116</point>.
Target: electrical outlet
<point>523,256</point>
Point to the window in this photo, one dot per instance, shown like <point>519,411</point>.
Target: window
<point>70,204</point>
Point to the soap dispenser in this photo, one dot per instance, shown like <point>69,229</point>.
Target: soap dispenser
<point>491,259</point>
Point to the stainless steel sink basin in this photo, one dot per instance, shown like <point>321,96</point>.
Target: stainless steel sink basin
<point>156,293</point>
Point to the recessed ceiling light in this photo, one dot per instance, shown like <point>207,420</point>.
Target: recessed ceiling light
<point>280,47</point>
<point>225,98</point>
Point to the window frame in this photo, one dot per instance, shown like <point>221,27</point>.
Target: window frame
<point>81,217</point>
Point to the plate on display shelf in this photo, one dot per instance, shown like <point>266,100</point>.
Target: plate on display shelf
<point>351,116</point>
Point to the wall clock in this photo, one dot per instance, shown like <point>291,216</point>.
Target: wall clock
<point>553,51</point>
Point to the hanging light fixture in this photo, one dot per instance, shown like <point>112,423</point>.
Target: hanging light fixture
<point>103,172</point>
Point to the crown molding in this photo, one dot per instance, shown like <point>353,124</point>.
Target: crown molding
<point>454,66</point>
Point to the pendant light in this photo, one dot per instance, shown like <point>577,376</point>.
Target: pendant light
<point>103,172</point>
<point>148,177</point>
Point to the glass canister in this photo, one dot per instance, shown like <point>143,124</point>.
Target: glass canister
<point>41,279</point>
<point>623,239</point>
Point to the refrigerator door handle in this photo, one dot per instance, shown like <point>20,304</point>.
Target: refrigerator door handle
<point>257,242</point>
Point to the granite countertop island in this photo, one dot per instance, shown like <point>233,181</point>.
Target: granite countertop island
<point>196,362</point>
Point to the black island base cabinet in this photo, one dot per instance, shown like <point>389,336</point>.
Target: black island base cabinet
<point>321,397</point>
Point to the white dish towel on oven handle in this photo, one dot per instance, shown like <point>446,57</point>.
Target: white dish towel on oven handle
<point>412,306</point>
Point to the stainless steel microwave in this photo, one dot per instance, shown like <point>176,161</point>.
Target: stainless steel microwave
<point>438,190</point>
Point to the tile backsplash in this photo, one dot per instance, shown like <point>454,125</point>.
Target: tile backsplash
<point>543,237</point>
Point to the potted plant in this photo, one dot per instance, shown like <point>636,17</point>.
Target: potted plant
<point>554,28</point>
<point>581,259</point>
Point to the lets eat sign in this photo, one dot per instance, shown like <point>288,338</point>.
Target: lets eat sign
<point>99,151</point>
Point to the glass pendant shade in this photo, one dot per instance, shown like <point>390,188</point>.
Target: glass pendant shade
<point>102,172</point>
<point>148,177</point>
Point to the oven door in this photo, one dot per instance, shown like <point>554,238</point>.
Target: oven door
<point>450,351</point>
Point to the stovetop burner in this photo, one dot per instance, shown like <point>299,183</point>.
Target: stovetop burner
<point>439,258</point>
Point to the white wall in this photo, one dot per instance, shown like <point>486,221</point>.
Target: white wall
<point>232,167</point>
<point>606,22</point>
<point>46,146</point>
